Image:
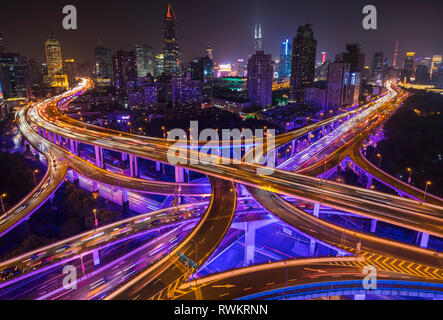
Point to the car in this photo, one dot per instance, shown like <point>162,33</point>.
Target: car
<point>9,272</point>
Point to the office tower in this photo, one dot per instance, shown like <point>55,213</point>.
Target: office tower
<point>303,62</point>
<point>352,88</point>
<point>338,75</point>
<point>186,91</point>
<point>377,68</point>
<point>354,57</point>
<point>394,62</point>
<point>145,60</point>
<point>14,76</point>
<point>53,58</point>
<point>159,65</point>
<point>124,68</point>
<point>408,67</point>
<point>422,74</point>
<point>35,73</point>
<point>427,61</point>
<point>260,74</point>
<point>258,40</point>
<point>171,49</point>
<point>436,61</point>
<point>201,69</point>
<point>69,69</point>
<point>103,66</point>
<point>285,59</point>
<point>2,45</point>
<point>209,52</point>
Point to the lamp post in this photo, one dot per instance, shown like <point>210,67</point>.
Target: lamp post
<point>410,173</point>
<point>1,198</point>
<point>379,159</point>
<point>33,174</point>
<point>426,189</point>
<point>95,217</point>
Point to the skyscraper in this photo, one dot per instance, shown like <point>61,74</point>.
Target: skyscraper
<point>394,62</point>
<point>258,40</point>
<point>53,57</point>
<point>171,48</point>
<point>408,67</point>
<point>377,68</point>
<point>260,73</point>
<point>303,62</point>
<point>124,68</point>
<point>354,57</point>
<point>338,77</point>
<point>14,76</point>
<point>209,52</point>
<point>2,45</point>
<point>285,59</point>
<point>436,61</point>
<point>159,65</point>
<point>145,60</point>
<point>103,66</point>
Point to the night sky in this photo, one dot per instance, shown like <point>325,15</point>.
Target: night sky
<point>227,25</point>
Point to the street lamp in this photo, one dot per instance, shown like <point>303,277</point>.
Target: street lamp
<point>95,217</point>
<point>1,198</point>
<point>379,159</point>
<point>33,174</point>
<point>426,189</point>
<point>410,173</point>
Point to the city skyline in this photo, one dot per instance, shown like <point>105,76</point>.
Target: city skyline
<point>116,29</point>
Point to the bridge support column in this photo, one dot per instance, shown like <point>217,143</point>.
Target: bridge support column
<point>124,156</point>
<point>96,257</point>
<point>95,189</point>
<point>293,146</point>
<point>99,162</point>
<point>249,244</point>
<point>424,239</point>
<point>74,146</point>
<point>312,247</point>
<point>309,137</point>
<point>359,297</point>
<point>133,165</point>
<point>157,166</point>
<point>179,177</point>
<point>316,209</point>
<point>125,200</point>
<point>373,225</point>
<point>369,183</point>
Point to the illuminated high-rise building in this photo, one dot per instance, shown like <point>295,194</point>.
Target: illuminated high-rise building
<point>159,65</point>
<point>260,75</point>
<point>436,61</point>
<point>354,56</point>
<point>69,68</point>
<point>285,59</point>
<point>377,68</point>
<point>145,60</point>
<point>338,77</point>
<point>258,40</point>
<point>53,57</point>
<point>209,52</point>
<point>394,62</point>
<point>303,62</point>
<point>14,76</point>
<point>171,49</point>
<point>103,66</point>
<point>408,67</point>
<point>124,68</point>
<point>2,45</point>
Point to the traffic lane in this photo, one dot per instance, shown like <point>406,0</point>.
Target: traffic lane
<point>198,246</point>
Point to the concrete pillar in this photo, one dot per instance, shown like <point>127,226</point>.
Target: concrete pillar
<point>309,137</point>
<point>133,166</point>
<point>249,244</point>
<point>312,248</point>
<point>293,147</point>
<point>124,156</point>
<point>98,156</point>
<point>179,174</point>
<point>369,183</point>
<point>424,240</point>
<point>74,146</point>
<point>359,297</point>
<point>125,200</point>
<point>316,209</point>
<point>157,166</point>
<point>373,225</point>
<point>94,186</point>
<point>96,257</point>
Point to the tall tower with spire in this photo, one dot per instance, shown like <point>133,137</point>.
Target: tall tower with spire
<point>394,63</point>
<point>171,49</point>
<point>258,40</point>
